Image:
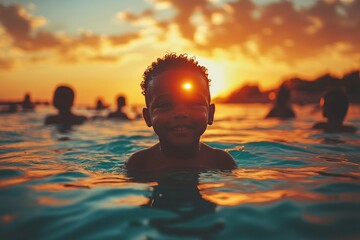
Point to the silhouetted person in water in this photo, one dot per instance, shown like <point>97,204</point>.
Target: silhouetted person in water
<point>335,107</point>
<point>119,113</point>
<point>137,112</point>
<point>100,105</point>
<point>63,101</point>
<point>282,108</point>
<point>27,104</point>
<point>12,107</point>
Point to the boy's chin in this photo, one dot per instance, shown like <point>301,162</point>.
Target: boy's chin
<point>181,143</point>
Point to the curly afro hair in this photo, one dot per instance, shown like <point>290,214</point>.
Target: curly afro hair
<point>172,61</point>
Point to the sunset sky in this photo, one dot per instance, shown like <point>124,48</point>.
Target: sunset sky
<point>102,48</point>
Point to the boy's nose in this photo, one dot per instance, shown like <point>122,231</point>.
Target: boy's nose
<point>181,111</point>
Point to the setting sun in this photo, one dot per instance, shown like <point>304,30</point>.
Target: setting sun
<point>217,75</point>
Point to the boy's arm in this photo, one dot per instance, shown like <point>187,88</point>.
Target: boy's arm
<point>351,129</point>
<point>319,125</point>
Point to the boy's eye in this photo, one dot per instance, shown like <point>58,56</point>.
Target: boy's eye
<point>196,103</point>
<point>163,105</point>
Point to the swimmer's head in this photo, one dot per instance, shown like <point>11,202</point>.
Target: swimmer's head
<point>335,104</point>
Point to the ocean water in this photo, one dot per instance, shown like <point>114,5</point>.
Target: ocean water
<point>292,182</point>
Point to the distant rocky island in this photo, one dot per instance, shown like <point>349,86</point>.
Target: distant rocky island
<point>303,91</point>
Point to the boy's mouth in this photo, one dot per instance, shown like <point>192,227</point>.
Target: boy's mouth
<point>180,128</point>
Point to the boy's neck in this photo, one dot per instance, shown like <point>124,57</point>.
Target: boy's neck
<point>182,152</point>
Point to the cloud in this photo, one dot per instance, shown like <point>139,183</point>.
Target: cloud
<point>123,39</point>
<point>20,25</point>
<point>278,29</point>
<point>128,16</point>
<point>85,40</point>
<point>24,31</point>
<point>6,64</point>
<point>102,58</point>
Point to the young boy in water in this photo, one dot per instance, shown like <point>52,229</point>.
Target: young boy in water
<point>335,107</point>
<point>178,107</point>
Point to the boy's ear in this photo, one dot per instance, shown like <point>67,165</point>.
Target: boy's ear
<point>211,114</point>
<point>147,118</point>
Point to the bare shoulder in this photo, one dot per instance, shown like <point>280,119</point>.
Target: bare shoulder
<point>50,119</point>
<point>219,158</point>
<point>350,129</point>
<point>139,160</point>
<point>319,125</point>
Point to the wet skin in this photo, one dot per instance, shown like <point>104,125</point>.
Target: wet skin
<point>179,110</point>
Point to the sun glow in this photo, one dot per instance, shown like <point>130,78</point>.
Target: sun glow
<point>217,75</point>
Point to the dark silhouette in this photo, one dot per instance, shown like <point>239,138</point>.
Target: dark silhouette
<point>335,107</point>
<point>246,94</point>
<point>178,107</point>
<point>137,111</point>
<point>63,101</point>
<point>282,108</point>
<point>11,107</point>
<point>27,104</point>
<point>303,91</point>
<point>119,113</point>
<point>100,105</point>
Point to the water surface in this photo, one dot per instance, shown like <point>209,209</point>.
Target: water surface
<point>292,182</point>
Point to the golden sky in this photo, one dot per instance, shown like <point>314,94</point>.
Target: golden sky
<point>102,48</point>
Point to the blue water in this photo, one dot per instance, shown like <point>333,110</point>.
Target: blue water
<point>292,182</point>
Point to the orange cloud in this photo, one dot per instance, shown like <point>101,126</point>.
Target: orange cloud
<point>123,39</point>
<point>20,25</point>
<point>130,17</point>
<point>25,34</point>
<point>6,63</point>
<point>103,58</point>
<point>280,30</point>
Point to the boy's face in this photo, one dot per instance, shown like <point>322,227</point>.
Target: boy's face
<point>178,107</point>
